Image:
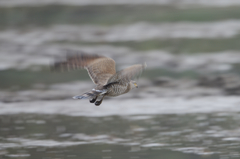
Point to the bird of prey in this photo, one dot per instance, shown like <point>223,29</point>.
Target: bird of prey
<point>102,71</point>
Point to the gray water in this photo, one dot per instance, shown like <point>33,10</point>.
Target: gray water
<point>215,135</point>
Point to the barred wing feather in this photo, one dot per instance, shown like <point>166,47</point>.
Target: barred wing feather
<point>100,68</point>
<point>127,74</point>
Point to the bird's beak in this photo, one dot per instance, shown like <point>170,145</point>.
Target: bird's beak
<point>135,84</point>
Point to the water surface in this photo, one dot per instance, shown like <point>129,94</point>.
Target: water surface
<point>136,136</point>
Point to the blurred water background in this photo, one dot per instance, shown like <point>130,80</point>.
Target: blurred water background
<point>187,105</point>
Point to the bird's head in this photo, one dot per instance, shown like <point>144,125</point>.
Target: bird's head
<point>134,84</point>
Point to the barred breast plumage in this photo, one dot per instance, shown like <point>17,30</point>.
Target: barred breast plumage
<point>118,89</point>
<point>102,71</point>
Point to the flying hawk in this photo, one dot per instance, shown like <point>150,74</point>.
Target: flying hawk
<point>102,71</point>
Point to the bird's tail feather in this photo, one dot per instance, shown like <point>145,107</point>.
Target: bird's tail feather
<point>87,95</point>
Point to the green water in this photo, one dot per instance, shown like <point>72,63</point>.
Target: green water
<point>48,15</point>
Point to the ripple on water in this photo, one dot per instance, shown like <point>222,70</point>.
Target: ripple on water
<point>140,134</point>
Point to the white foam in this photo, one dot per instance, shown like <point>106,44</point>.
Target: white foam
<point>21,50</point>
<point>130,32</point>
<point>45,143</point>
<point>178,105</point>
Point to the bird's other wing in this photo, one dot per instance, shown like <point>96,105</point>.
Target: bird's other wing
<point>127,74</point>
<point>100,68</point>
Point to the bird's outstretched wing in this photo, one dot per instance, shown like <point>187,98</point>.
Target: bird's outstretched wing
<point>100,68</point>
<point>127,74</point>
